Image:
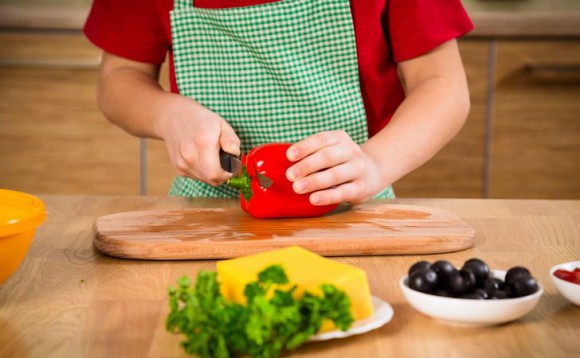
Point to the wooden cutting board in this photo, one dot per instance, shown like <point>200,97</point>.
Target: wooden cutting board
<point>368,229</point>
<point>217,233</point>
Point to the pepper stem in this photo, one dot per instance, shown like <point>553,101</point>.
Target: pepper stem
<point>242,183</point>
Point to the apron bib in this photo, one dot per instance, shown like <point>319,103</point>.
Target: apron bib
<point>277,72</point>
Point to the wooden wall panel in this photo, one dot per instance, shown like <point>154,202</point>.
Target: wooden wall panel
<point>536,144</point>
<point>456,171</point>
<point>160,171</point>
<point>53,139</point>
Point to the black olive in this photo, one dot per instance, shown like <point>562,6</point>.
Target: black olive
<point>479,268</point>
<point>424,280</point>
<point>498,295</point>
<point>474,295</point>
<point>443,268</point>
<point>483,293</point>
<point>476,260</point>
<point>419,265</point>
<point>522,285</point>
<point>493,284</point>
<point>514,272</point>
<point>442,293</point>
<point>461,282</point>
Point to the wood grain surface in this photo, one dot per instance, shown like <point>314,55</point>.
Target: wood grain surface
<point>64,129</point>
<point>465,150</point>
<point>370,229</point>
<point>537,83</point>
<point>536,126</point>
<point>69,300</point>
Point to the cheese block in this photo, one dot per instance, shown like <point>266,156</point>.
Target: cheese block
<point>305,269</point>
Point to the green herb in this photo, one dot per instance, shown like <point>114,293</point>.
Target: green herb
<point>265,327</point>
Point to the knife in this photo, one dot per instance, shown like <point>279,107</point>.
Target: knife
<point>232,164</point>
<point>264,181</point>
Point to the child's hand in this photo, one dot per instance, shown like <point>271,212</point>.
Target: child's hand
<point>333,168</point>
<point>193,136</point>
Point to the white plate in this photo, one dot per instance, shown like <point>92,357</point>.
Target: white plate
<point>382,314</point>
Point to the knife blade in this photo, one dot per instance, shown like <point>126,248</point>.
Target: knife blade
<point>230,163</point>
<point>264,181</point>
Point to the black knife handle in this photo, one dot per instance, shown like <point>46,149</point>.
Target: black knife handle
<point>226,161</point>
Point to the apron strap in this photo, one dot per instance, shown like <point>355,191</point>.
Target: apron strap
<point>183,4</point>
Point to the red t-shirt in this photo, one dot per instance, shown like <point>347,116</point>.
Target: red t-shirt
<point>386,32</point>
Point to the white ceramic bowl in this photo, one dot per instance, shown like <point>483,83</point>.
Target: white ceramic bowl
<point>567,289</point>
<point>466,312</point>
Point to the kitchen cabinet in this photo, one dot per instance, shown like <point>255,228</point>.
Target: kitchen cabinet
<point>457,170</point>
<point>53,139</point>
<point>521,139</point>
<point>533,126</point>
<point>536,120</point>
<point>531,119</point>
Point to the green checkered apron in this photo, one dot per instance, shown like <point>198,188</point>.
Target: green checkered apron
<point>277,72</point>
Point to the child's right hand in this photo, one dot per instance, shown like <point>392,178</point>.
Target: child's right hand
<point>193,136</point>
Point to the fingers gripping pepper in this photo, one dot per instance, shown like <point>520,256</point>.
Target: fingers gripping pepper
<point>279,199</point>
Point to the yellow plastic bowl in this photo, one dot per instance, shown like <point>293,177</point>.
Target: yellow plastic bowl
<point>20,215</point>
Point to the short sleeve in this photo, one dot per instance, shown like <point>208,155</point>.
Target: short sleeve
<point>417,26</point>
<point>129,29</point>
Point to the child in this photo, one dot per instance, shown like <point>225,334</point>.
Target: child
<point>322,74</point>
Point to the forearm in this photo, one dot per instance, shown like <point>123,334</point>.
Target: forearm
<point>435,109</point>
<point>131,97</point>
<point>431,115</point>
<point>332,167</point>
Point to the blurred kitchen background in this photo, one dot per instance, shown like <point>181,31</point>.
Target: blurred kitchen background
<point>522,138</point>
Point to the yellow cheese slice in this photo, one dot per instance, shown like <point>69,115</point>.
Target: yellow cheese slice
<point>305,269</point>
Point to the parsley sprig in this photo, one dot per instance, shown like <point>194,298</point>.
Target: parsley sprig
<point>265,327</point>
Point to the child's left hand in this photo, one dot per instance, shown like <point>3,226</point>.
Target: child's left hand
<point>332,167</point>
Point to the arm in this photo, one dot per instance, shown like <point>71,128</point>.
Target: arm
<point>437,103</point>
<point>129,95</point>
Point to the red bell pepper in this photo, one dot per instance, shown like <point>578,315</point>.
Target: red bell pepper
<point>570,276</point>
<point>279,199</point>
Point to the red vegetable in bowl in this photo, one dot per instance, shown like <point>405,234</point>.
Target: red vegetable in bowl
<point>570,276</point>
<point>278,199</point>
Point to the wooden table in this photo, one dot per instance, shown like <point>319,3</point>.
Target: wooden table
<point>68,300</point>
